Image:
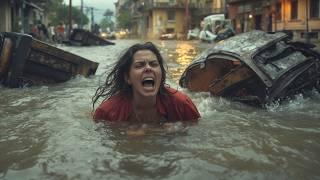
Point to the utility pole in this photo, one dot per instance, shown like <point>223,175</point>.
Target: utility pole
<point>22,18</point>
<point>81,8</point>
<point>187,16</point>
<point>92,19</point>
<point>307,23</point>
<point>70,17</point>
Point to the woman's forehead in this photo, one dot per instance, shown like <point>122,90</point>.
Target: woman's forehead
<point>142,54</point>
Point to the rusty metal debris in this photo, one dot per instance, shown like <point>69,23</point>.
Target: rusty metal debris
<point>255,68</point>
<point>26,61</point>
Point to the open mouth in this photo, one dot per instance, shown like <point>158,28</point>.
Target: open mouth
<point>148,82</point>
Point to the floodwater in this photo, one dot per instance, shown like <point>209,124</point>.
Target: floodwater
<point>47,132</point>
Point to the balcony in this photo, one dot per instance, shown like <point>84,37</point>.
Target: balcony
<point>172,4</point>
<point>206,11</point>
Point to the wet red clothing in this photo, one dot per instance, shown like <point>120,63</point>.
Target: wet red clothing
<point>175,106</point>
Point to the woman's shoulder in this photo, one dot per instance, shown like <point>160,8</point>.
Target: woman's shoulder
<point>177,95</point>
<point>180,106</point>
<point>115,108</point>
<point>115,101</point>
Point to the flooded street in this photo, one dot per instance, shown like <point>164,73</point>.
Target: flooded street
<point>46,132</point>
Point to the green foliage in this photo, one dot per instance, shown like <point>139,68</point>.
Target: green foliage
<point>60,13</point>
<point>48,5</point>
<point>108,14</point>
<point>124,19</point>
<point>52,5</point>
<point>79,17</point>
<point>106,23</point>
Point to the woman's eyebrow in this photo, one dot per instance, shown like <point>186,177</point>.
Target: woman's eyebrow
<point>146,60</point>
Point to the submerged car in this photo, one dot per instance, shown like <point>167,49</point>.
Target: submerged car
<point>216,28</point>
<point>25,61</point>
<point>168,36</point>
<point>81,37</point>
<point>255,68</point>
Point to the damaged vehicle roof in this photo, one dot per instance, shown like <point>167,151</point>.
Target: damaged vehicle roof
<point>26,61</point>
<point>255,67</point>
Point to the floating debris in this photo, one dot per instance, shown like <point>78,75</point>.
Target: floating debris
<point>255,68</point>
<point>26,61</point>
<point>81,37</point>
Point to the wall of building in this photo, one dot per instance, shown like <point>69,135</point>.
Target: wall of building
<point>218,4</point>
<point>300,25</point>
<point>250,15</point>
<point>5,16</point>
<point>159,23</point>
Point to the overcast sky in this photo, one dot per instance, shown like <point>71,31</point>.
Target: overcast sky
<point>100,6</point>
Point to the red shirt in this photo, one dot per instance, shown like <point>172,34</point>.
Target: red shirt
<point>175,106</point>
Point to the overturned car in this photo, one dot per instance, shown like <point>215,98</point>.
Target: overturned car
<point>81,37</point>
<point>255,68</point>
<point>25,61</point>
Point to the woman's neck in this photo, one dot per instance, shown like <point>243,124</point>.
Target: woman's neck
<point>143,103</point>
<point>145,110</point>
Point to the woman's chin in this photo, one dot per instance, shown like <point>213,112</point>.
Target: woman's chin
<point>146,91</point>
<point>149,94</point>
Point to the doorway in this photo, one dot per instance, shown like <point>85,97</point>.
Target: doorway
<point>257,22</point>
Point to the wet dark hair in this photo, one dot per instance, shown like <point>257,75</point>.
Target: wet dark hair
<point>115,81</point>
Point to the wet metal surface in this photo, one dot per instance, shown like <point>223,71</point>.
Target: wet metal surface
<point>47,132</point>
<point>273,68</point>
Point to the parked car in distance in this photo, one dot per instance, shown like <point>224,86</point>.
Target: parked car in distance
<point>168,36</point>
<point>108,35</point>
<point>122,34</point>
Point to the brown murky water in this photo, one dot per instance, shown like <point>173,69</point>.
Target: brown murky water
<point>47,133</point>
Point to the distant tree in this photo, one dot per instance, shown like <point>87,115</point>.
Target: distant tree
<point>77,15</point>
<point>50,7</point>
<point>107,22</point>
<point>108,14</point>
<point>61,13</point>
<point>124,19</point>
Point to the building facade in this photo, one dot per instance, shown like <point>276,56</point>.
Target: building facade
<point>18,15</point>
<point>166,16</point>
<point>152,18</point>
<point>247,15</point>
<point>5,16</point>
<point>296,16</point>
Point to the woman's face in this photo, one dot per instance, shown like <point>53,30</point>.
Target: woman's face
<point>144,74</point>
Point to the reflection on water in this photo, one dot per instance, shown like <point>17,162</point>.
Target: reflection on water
<point>180,56</point>
<point>47,133</point>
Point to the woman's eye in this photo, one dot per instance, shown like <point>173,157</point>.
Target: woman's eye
<point>154,64</point>
<point>139,65</point>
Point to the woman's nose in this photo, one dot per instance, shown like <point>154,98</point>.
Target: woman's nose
<point>147,68</point>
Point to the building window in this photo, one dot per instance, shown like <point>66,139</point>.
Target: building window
<point>171,15</point>
<point>314,8</point>
<point>294,9</point>
<point>278,11</point>
<point>169,30</point>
